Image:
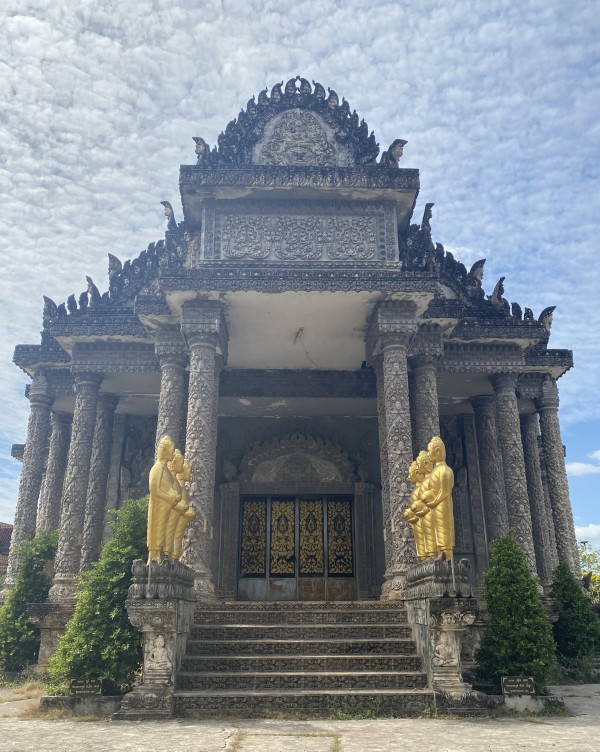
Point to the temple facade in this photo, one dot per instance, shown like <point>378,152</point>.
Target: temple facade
<point>300,338</point>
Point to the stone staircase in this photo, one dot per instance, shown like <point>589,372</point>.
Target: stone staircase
<point>298,658</point>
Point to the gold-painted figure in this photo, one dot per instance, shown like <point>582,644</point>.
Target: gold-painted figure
<point>175,466</point>
<point>163,497</point>
<point>430,509</point>
<point>438,497</point>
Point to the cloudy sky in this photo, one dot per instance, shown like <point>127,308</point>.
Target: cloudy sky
<point>499,103</point>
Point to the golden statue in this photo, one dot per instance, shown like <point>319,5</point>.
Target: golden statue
<point>164,494</point>
<point>438,497</point>
<point>417,513</point>
<point>430,510</point>
<point>175,466</point>
<point>186,512</point>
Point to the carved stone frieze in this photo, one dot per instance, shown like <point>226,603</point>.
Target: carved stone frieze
<point>109,357</point>
<point>48,517</point>
<point>297,138</point>
<point>556,475</point>
<point>299,231</point>
<point>75,487</point>
<point>137,456</point>
<point>513,464</point>
<point>266,276</point>
<point>112,324</point>
<point>95,506</point>
<point>491,359</point>
<point>32,472</point>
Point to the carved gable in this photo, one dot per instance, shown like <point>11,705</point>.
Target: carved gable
<point>297,138</point>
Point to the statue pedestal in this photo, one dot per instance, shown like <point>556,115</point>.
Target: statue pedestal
<point>161,604</point>
<point>442,610</point>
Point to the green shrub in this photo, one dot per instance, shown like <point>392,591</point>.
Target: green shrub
<point>99,641</point>
<point>518,641</point>
<point>577,630</point>
<point>19,638</point>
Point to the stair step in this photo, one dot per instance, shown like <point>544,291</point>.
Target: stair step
<point>398,646</point>
<point>312,680</point>
<point>312,616</point>
<point>299,631</point>
<point>266,703</point>
<point>241,663</point>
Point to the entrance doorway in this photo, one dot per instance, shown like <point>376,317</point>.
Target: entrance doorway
<point>296,548</point>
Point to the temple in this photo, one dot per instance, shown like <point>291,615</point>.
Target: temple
<point>301,338</point>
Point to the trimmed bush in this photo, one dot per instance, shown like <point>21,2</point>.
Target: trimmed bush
<point>577,630</point>
<point>99,641</point>
<point>19,638</point>
<point>518,641</point>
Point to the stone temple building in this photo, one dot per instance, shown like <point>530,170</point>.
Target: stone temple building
<point>300,337</point>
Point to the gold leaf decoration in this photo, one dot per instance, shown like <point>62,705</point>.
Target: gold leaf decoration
<point>283,555</point>
<point>254,538</point>
<point>311,537</point>
<point>339,538</point>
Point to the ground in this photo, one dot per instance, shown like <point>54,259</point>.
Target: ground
<point>580,731</point>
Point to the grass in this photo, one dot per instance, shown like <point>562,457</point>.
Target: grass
<point>34,713</point>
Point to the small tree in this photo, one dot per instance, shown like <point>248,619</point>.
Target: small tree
<point>19,638</point>
<point>518,640</point>
<point>577,630</point>
<point>100,642</point>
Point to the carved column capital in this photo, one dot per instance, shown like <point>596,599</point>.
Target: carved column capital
<point>203,324</point>
<point>84,377</point>
<point>548,399</point>
<point>504,383</point>
<point>170,347</point>
<point>393,324</point>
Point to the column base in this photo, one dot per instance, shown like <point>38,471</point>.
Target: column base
<point>62,590</point>
<point>51,619</point>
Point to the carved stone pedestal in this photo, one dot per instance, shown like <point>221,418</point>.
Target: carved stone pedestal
<point>51,619</point>
<point>442,610</point>
<point>160,604</point>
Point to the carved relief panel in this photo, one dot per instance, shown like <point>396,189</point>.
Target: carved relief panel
<point>451,431</point>
<point>299,231</point>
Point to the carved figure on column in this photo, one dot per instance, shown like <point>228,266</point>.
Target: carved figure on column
<point>164,495</point>
<point>186,511</point>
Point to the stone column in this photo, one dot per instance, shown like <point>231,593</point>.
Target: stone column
<point>425,395</point>
<point>513,464</point>
<point>393,327</point>
<point>49,509</point>
<point>545,556</point>
<point>75,489</point>
<point>32,472</point>
<point>114,473</point>
<point>203,327</point>
<point>172,355</point>
<point>490,467</point>
<point>95,505</point>
<point>549,516</point>
<point>556,475</point>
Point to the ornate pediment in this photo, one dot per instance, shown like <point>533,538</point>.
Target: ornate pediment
<point>296,459</point>
<point>297,125</point>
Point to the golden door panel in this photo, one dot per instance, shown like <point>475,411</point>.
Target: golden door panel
<point>339,538</point>
<point>283,538</point>
<point>311,538</point>
<point>253,554</point>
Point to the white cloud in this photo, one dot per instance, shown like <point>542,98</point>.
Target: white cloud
<point>595,455</point>
<point>582,468</point>
<point>590,533</point>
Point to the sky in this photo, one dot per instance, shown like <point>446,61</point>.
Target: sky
<point>498,101</point>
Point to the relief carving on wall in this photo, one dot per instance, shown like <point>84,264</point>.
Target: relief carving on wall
<point>297,138</point>
<point>297,459</point>
<point>288,238</point>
